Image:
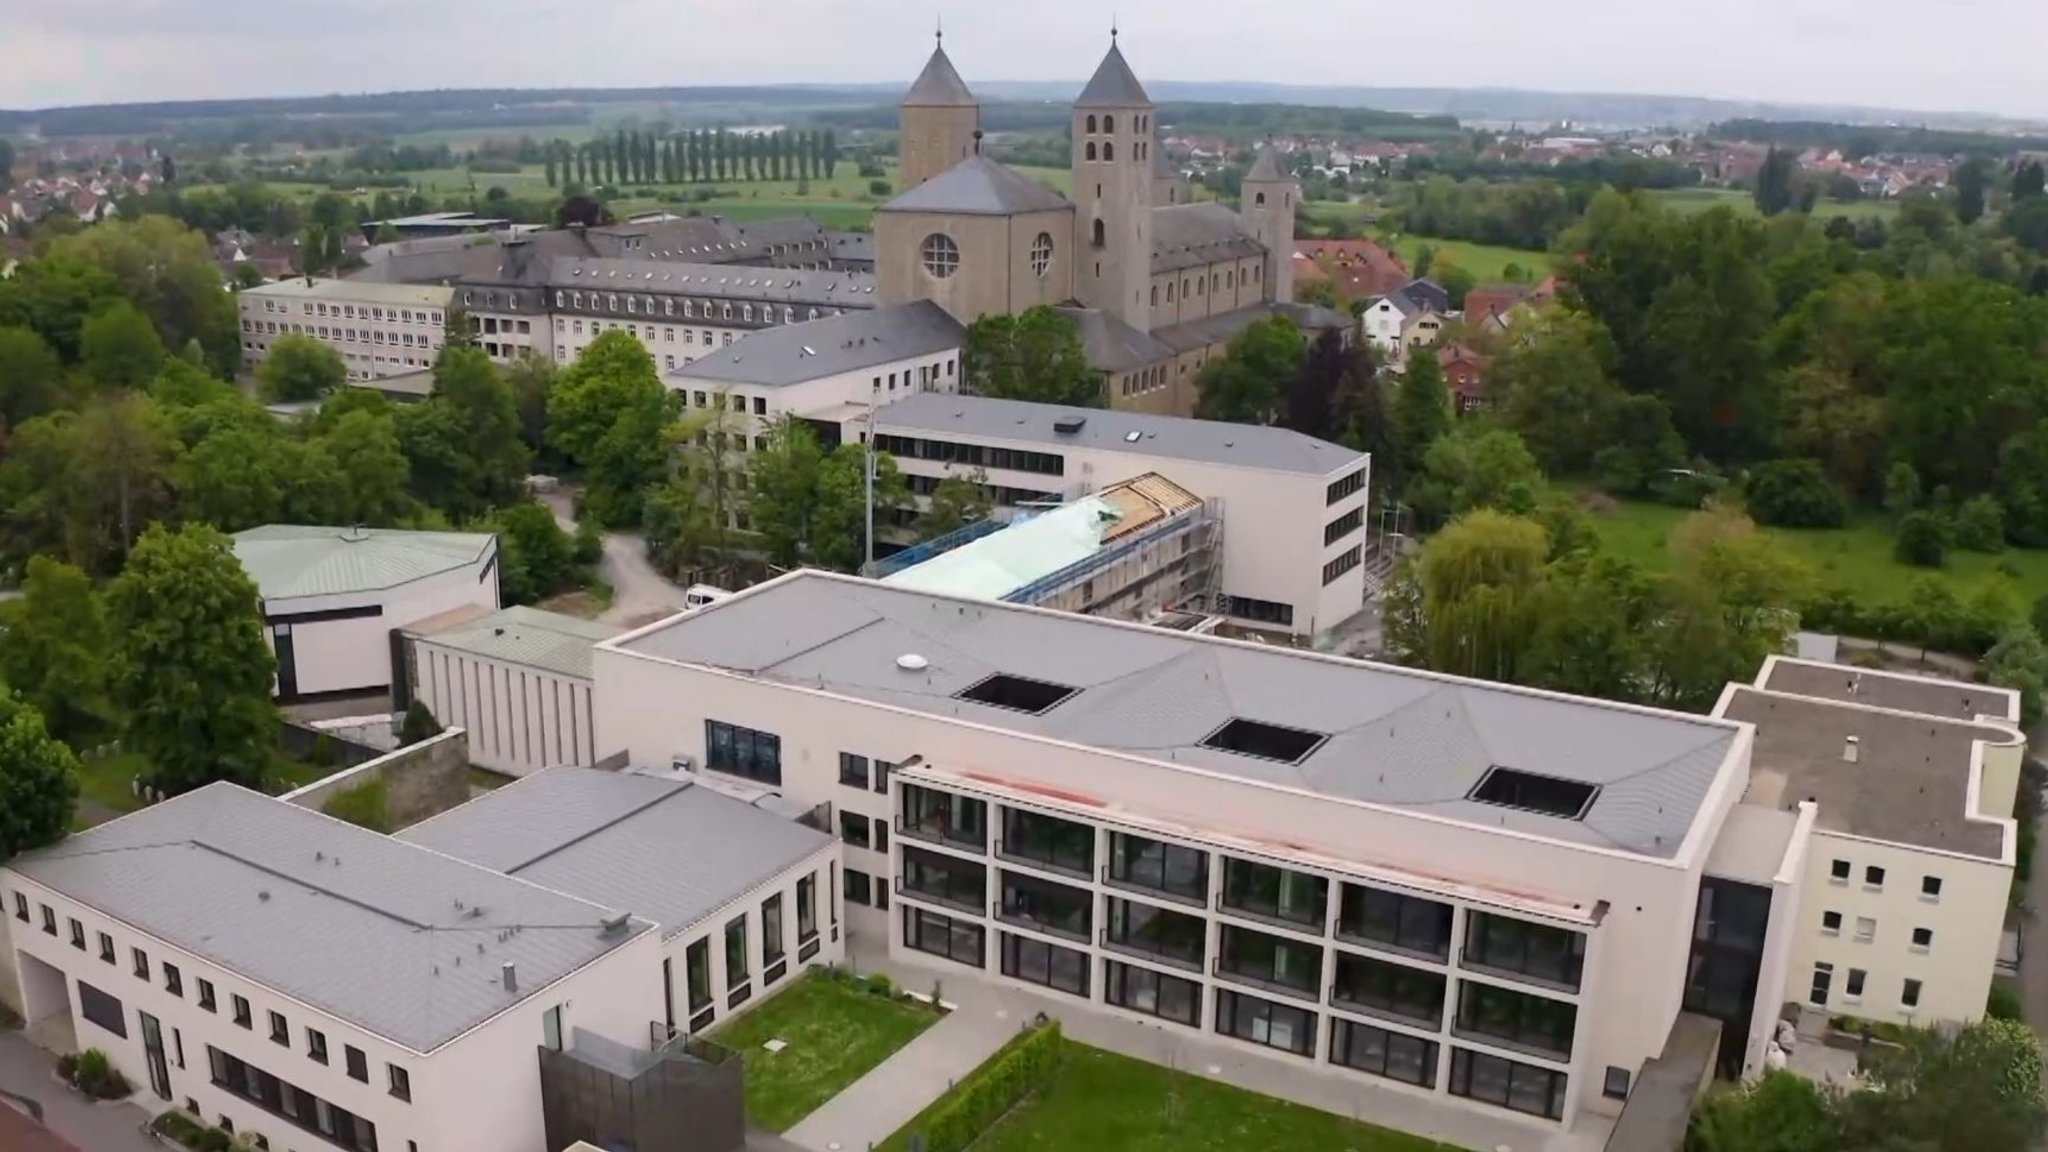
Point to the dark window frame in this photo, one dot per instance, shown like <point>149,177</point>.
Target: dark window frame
<point>1021,961</point>
<point>943,879</point>
<point>356,1063</point>
<point>853,770</point>
<point>1150,871</point>
<point>747,753</point>
<point>947,817</point>
<point>1046,841</point>
<point>1046,906</point>
<point>1240,874</point>
<point>1239,1014</point>
<point>1383,918</point>
<point>947,937</point>
<point>1511,1018</point>
<point>1159,933</point>
<point>1499,943</point>
<point>1123,986</point>
<point>243,1015</point>
<point>1377,987</point>
<point>1513,1072</point>
<point>1365,1048</point>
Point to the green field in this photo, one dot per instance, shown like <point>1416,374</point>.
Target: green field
<point>1692,200</point>
<point>1100,1100</point>
<point>833,1033</point>
<point>1857,559</point>
<point>1487,263</point>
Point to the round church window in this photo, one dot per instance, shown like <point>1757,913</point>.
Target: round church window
<point>1041,254</point>
<point>941,255</point>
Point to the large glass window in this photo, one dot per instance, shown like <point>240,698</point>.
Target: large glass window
<point>1049,841</point>
<point>1409,923</point>
<point>1275,893</point>
<point>1161,867</point>
<point>771,930</point>
<point>743,752</point>
<point>1281,1026</point>
<point>1516,1018</point>
<point>1409,1059</point>
<point>934,815</point>
<point>1393,989</point>
<point>1540,951</point>
<point>292,1103</point>
<point>736,954</point>
<point>1507,1083</point>
<point>1154,994</point>
<point>102,1009</point>
<point>961,941</point>
<point>1046,906</point>
<point>1175,937</point>
<point>1049,964</point>
<point>1271,961</point>
<point>942,878</point>
<point>806,907</point>
<point>697,974</point>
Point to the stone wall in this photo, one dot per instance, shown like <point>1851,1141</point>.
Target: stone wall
<point>420,780</point>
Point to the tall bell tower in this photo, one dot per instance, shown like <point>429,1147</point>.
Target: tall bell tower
<point>1268,205</point>
<point>1113,140</point>
<point>940,119</point>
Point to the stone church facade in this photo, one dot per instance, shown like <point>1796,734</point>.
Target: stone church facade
<point>1156,284</point>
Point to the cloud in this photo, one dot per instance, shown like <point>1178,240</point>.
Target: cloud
<point>1963,55</point>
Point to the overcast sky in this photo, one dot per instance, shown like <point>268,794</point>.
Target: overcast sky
<point>1977,55</point>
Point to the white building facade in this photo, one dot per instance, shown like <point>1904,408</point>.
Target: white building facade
<point>518,680</point>
<point>378,329</point>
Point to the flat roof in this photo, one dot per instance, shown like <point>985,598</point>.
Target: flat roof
<point>354,291</point>
<point>288,561</point>
<point>670,850</point>
<point>1909,783</point>
<point>519,635</point>
<point>813,349</point>
<point>1928,695</point>
<point>1388,736</point>
<point>1104,430</point>
<point>392,938</point>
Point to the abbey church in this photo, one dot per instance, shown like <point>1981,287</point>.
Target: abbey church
<point>1156,284</point>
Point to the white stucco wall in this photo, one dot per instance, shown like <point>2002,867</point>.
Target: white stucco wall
<point>354,653</point>
<point>521,719</point>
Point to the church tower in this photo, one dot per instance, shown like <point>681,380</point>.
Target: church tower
<point>940,120</point>
<point>1113,139</point>
<point>1267,205</point>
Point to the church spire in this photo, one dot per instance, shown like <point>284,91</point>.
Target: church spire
<point>939,85</point>
<point>1114,84</point>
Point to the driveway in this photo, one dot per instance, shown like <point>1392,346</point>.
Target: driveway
<point>27,1075</point>
<point>640,593</point>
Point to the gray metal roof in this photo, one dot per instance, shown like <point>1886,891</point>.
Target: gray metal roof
<point>397,940</point>
<point>520,635</point>
<point>1394,737</point>
<point>794,353</point>
<point>1190,235</point>
<point>939,85</point>
<point>1114,85</point>
<point>979,186</point>
<point>1266,168</point>
<point>1220,328</point>
<point>723,281</point>
<point>1112,345</point>
<point>288,561</point>
<point>1170,437</point>
<point>669,850</point>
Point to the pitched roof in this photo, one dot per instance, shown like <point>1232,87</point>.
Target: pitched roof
<point>1266,168</point>
<point>721,281</point>
<point>394,939</point>
<point>671,850</point>
<point>519,635</point>
<point>1393,737</point>
<point>1107,430</point>
<point>939,85</point>
<point>1188,235</point>
<point>794,353</point>
<point>1114,85</point>
<point>1112,345</point>
<point>292,560</point>
<point>979,186</point>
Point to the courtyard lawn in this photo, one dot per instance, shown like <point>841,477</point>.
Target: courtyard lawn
<point>106,784</point>
<point>833,1034</point>
<point>1692,200</point>
<point>1857,558</point>
<point>1488,263</point>
<point>1109,1103</point>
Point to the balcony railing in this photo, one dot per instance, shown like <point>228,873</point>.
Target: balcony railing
<point>1309,994</point>
<point>944,834</point>
<point>1139,951</point>
<point>1188,899</point>
<point>974,906</point>
<point>1084,871</point>
<point>1021,920</point>
<point>1428,1018</point>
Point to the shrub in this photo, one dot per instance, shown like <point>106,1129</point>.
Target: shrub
<point>1795,494</point>
<point>2003,1003</point>
<point>878,187</point>
<point>95,1075</point>
<point>366,806</point>
<point>1685,489</point>
<point>67,1067</point>
<point>589,543</point>
<point>214,1140</point>
<point>880,985</point>
<point>1980,525</point>
<point>1922,540</point>
<point>419,724</point>
<point>1018,1069</point>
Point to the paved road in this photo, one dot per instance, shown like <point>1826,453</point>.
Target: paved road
<point>640,594</point>
<point>28,1072</point>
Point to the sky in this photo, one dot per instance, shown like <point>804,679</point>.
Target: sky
<point>1955,55</point>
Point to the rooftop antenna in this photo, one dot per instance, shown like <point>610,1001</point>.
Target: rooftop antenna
<point>1112,29</point>
<point>939,33</point>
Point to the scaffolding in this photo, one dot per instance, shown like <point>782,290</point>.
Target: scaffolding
<point>1147,575</point>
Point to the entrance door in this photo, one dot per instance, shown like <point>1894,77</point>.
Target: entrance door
<point>153,1050</point>
<point>287,665</point>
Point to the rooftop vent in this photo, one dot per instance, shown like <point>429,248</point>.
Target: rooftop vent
<point>1069,425</point>
<point>510,976</point>
<point>1265,741</point>
<point>912,662</point>
<point>1133,436</point>
<point>1851,747</point>
<point>1546,795</point>
<point>1017,693</point>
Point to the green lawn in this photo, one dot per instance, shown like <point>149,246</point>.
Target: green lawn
<point>1109,1103</point>
<point>1487,263</point>
<point>1701,199</point>
<point>835,1033</point>
<point>1857,558</point>
<point>107,781</point>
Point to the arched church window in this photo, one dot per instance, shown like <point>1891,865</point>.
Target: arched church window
<point>1169,292</point>
<point>1109,125</point>
<point>1155,295</point>
<point>1041,254</point>
<point>1260,200</point>
<point>1091,149</point>
<point>1091,125</point>
<point>1143,150</point>
<point>1109,149</point>
<point>941,255</point>
<point>1101,236</point>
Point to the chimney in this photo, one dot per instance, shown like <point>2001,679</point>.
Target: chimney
<point>510,976</point>
<point>1850,749</point>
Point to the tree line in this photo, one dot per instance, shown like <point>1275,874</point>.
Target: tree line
<point>699,156</point>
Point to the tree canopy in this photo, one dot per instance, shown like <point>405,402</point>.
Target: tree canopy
<point>1245,383</point>
<point>38,781</point>
<point>1033,355</point>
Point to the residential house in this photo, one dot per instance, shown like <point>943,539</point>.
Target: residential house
<point>1398,322</point>
<point>1362,269</point>
<point>1465,375</point>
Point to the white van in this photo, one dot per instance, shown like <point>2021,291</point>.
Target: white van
<point>700,595</point>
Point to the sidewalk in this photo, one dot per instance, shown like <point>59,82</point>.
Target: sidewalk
<point>28,1072</point>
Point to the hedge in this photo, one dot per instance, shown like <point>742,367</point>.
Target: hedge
<point>1018,1069</point>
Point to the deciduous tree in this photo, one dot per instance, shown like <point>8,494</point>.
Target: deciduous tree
<point>1244,384</point>
<point>956,502</point>
<point>1035,356</point>
<point>31,377</point>
<point>1551,386</point>
<point>300,368</point>
<point>55,655</point>
<point>782,484</point>
<point>119,348</point>
<point>1422,414</point>
<point>38,781</point>
<point>608,412</point>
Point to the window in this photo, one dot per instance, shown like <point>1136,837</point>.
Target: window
<point>1270,961</point>
<point>1335,569</point>
<point>1516,1019</point>
<point>772,950</point>
<point>1409,923</point>
<point>1041,254</point>
<point>240,1005</point>
<point>743,752</point>
<point>1052,908</point>
<point>1343,526</point>
<point>1923,939</point>
<point>50,921</point>
<point>1615,1085</point>
<point>1137,862</point>
<point>1909,996</point>
<point>806,908</point>
<point>1383,989</point>
<point>1507,1083</point>
<point>1173,937</point>
<point>736,958</point>
<point>1045,964</point>
<point>960,941</point>
<point>941,256</point>
<point>174,980</point>
<point>21,907</point>
<point>316,1046</point>
<point>1866,929</point>
<point>1379,1052</point>
<point>934,815</point>
<point>1280,1026</point>
<point>1540,951</point>
<point>1852,991</point>
<point>760,406</point>
<point>1057,844</point>
<point>853,829</point>
<point>944,879</point>
<point>1109,150</point>
<point>1091,125</point>
<point>1839,872</point>
<point>206,1000</point>
<point>1153,993</point>
<point>856,886</point>
<point>853,770</point>
<point>1873,877</point>
<point>882,770</point>
<point>290,1103</point>
<point>102,1009</point>
<point>1100,237</point>
<point>1275,893</point>
<point>1823,975</point>
<point>1930,887</point>
<point>401,1082</point>
<point>140,958</point>
<point>1831,923</point>
<point>697,979</point>
<point>280,1032</point>
<point>77,934</point>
